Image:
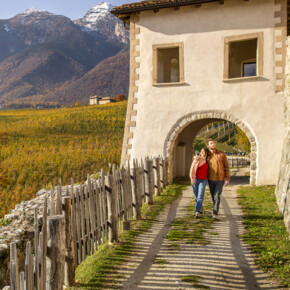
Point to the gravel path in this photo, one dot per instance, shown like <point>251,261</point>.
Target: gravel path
<point>225,263</point>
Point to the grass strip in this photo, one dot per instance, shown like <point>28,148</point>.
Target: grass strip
<point>92,272</point>
<point>195,281</point>
<point>266,232</point>
<point>191,230</point>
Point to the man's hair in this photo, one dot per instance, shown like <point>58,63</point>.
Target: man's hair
<point>208,140</point>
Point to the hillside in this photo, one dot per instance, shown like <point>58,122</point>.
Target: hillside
<point>227,136</point>
<point>41,53</point>
<point>39,146</point>
<point>109,78</point>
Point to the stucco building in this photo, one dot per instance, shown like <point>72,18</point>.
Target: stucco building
<point>199,61</point>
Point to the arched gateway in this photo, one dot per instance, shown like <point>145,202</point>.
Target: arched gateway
<point>193,62</point>
<point>185,130</point>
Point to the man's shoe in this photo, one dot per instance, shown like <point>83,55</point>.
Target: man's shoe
<point>214,216</point>
<point>197,215</point>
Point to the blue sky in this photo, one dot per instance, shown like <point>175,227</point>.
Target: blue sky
<point>71,8</point>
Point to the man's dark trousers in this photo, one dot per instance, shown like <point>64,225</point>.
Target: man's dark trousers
<point>216,189</point>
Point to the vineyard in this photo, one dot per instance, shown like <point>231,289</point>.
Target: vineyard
<point>37,147</point>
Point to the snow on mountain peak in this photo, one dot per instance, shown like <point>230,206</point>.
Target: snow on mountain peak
<point>95,14</point>
<point>32,10</point>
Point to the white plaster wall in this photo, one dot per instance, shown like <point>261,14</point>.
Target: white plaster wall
<point>202,30</point>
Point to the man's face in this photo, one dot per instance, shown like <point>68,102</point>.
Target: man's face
<point>211,145</point>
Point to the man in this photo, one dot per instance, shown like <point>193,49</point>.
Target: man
<point>218,174</point>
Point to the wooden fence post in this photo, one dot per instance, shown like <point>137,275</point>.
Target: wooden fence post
<point>14,272</point>
<point>111,208</point>
<point>135,196</point>
<point>43,248</point>
<point>104,204</point>
<point>29,267</point>
<point>148,181</point>
<point>156,167</point>
<point>56,252</point>
<point>69,269</point>
<point>36,257</point>
<point>73,223</point>
<point>92,211</point>
<point>161,162</point>
<point>166,171</point>
<point>124,193</point>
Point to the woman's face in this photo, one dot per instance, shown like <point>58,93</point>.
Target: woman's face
<point>202,153</point>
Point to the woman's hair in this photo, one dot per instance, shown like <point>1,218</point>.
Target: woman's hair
<point>206,150</point>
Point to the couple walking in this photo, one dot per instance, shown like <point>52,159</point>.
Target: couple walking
<point>211,165</point>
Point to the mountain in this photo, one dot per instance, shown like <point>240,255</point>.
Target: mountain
<point>42,53</point>
<point>109,78</point>
<point>100,22</point>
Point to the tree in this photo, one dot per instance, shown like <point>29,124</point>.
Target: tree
<point>242,140</point>
<point>119,98</point>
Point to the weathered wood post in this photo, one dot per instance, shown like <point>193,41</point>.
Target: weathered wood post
<point>55,252</point>
<point>111,208</point>
<point>43,248</point>
<point>135,196</point>
<point>166,171</point>
<point>73,222</point>
<point>69,269</point>
<point>14,272</point>
<point>161,163</point>
<point>29,267</point>
<point>148,170</point>
<point>124,193</point>
<point>36,257</point>
<point>104,198</point>
<point>156,167</point>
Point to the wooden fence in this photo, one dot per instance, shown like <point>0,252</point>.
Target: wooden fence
<point>238,162</point>
<point>74,225</point>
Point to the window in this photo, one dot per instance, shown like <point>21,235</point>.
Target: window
<point>243,56</point>
<point>168,63</point>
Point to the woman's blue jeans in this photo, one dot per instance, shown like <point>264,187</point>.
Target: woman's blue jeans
<point>198,191</point>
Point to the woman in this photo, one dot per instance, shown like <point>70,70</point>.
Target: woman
<point>198,177</point>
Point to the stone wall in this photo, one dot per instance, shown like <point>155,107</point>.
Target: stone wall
<point>21,230</point>
<point>283,185</point>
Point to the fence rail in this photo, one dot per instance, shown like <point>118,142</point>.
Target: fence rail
<point>238,162</point>
<point>74,225</point>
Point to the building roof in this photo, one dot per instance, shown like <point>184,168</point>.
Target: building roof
<point>124,11</point>
<point>127,9</point>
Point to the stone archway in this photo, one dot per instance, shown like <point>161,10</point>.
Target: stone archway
<point>210,116</point>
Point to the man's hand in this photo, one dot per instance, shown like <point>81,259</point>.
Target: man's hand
<point>226,183</point>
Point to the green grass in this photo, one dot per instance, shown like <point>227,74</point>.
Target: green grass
<point>160,261</point>
<point>191,230</point>
<point>266,232</point>
<point>93,271</point>
<point>194,280</point>
<point>4,222</point>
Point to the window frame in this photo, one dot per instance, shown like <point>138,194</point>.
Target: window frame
<point>155,47</point>
<point>259,57</point>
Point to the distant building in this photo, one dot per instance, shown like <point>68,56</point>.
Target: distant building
<point>96,100</point>
<point>106,100</point>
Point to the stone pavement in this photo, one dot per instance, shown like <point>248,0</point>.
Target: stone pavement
<point>225,263</point>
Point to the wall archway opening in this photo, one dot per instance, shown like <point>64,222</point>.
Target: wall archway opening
<point>179,147</point>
